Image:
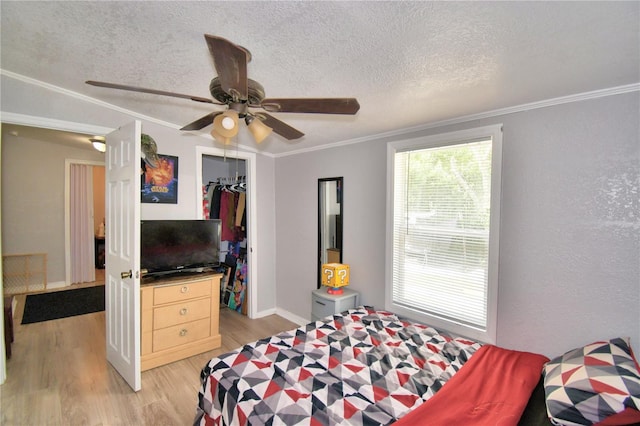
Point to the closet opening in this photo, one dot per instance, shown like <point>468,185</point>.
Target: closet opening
<point>225,197</point>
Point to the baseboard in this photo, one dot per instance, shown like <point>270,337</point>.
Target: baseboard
<point>57,284</point>
<point>264,313</point>
<point>292,317</point>
<point>284,314</point>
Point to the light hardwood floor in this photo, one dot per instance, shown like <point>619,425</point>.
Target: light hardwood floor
<point>58,374</point>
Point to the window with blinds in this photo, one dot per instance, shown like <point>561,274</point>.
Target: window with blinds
<point>445,207</point>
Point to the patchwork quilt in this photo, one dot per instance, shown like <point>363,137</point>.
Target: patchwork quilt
<point>362,367</point>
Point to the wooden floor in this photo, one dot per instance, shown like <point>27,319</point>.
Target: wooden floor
<point>58,374</point>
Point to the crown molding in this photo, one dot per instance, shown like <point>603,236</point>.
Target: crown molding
<point>85,98</point>
<point>635,87</point>
<point>47,123</point>
<point>51,123</point>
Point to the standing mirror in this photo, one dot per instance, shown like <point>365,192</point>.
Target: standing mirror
<point>329,222</point>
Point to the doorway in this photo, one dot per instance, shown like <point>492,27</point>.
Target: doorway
<point>234,175</point>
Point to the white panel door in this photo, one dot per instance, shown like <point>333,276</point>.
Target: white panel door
<point>122,249</point>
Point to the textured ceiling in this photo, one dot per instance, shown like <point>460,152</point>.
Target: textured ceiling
<point>408,63</point>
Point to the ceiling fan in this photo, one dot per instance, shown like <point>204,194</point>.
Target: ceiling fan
<point>239,93</point>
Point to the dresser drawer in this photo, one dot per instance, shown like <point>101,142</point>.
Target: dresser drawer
<point>184,291</point>
<point>324,304</point>
<point>181,334</point>
<point>180,313</point>
<point>322,307</point>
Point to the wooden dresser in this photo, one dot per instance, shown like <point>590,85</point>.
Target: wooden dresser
<point>180,318</point>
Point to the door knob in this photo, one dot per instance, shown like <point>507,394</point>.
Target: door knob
<point>125,275</point>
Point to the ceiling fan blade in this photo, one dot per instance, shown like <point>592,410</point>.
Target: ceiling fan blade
<point>202,122</point>
<point>152,91</point>
<point>230,61</point>
<point>312,105</point>
<point>280,127</point>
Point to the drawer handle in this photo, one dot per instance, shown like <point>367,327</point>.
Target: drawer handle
<point>320,303</point>
<point>183,311</point>
<point>184,289</point>
<point>183,332</point>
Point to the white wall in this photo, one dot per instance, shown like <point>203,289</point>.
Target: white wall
<point>33,181</point>
<point>570,233</point>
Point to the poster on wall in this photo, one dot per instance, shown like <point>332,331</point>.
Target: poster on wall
<point>160,184</point>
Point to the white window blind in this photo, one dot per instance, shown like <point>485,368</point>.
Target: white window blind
<point>442,210</point>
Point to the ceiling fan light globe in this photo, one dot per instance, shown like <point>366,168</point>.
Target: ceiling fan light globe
<point>222,121</point>
<point>259,130</point>
<point>220,138</point>
<point>228,123</point>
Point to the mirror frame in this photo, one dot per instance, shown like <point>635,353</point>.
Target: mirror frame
<point>321,215</point>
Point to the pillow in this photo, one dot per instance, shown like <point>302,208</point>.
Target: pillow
<point>596,383</point>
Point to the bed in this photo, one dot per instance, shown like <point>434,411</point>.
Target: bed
<point>370,367</point>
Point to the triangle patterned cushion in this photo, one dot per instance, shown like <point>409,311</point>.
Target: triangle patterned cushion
<point>597,383</point>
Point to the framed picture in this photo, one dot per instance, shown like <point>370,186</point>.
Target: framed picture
<point>160,184</point>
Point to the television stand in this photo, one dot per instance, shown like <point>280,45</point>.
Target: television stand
<point>180,316</point>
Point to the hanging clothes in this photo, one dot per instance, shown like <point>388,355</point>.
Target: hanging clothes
<point>206,202</point>
<point>242,199</point>
<point>227,214</point>
<point>227,202</point>
<point>215,202</point>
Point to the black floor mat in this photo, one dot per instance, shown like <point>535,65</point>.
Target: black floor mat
<point>62,304</point>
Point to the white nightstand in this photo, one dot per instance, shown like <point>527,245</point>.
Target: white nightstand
<point>324,304</point>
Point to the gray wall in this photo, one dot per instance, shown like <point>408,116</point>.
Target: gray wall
<point>33,177</point>
<point>570,232</point>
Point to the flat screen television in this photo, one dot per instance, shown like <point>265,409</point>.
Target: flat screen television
<point>172,246</point>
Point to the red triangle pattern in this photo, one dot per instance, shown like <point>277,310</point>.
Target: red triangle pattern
<point>349,409</point>
<point>439,364</point>
<point>272,388</point>
<point>316,422</point>
<point>333,362</point>
<point>304,374</point>
<point>242,417</point>
<point>213,382</point>
<point>403,378</point>
<point>262,365</point>
<point>589,360</point>
<point>379,393</point>
<point>433,348</point>
<point>271,349</point>
<point>406,400</point>
<point>240,359</point>
<point>601,387</point>
<point>294,395</point>
<point>354,368</point>
<point>419,362</point>
<point>566,375</point>
<point>212,421</point>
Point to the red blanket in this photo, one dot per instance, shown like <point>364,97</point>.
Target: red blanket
<point>492,388</point>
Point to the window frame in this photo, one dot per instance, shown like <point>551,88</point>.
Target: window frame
<point>489,333</point>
